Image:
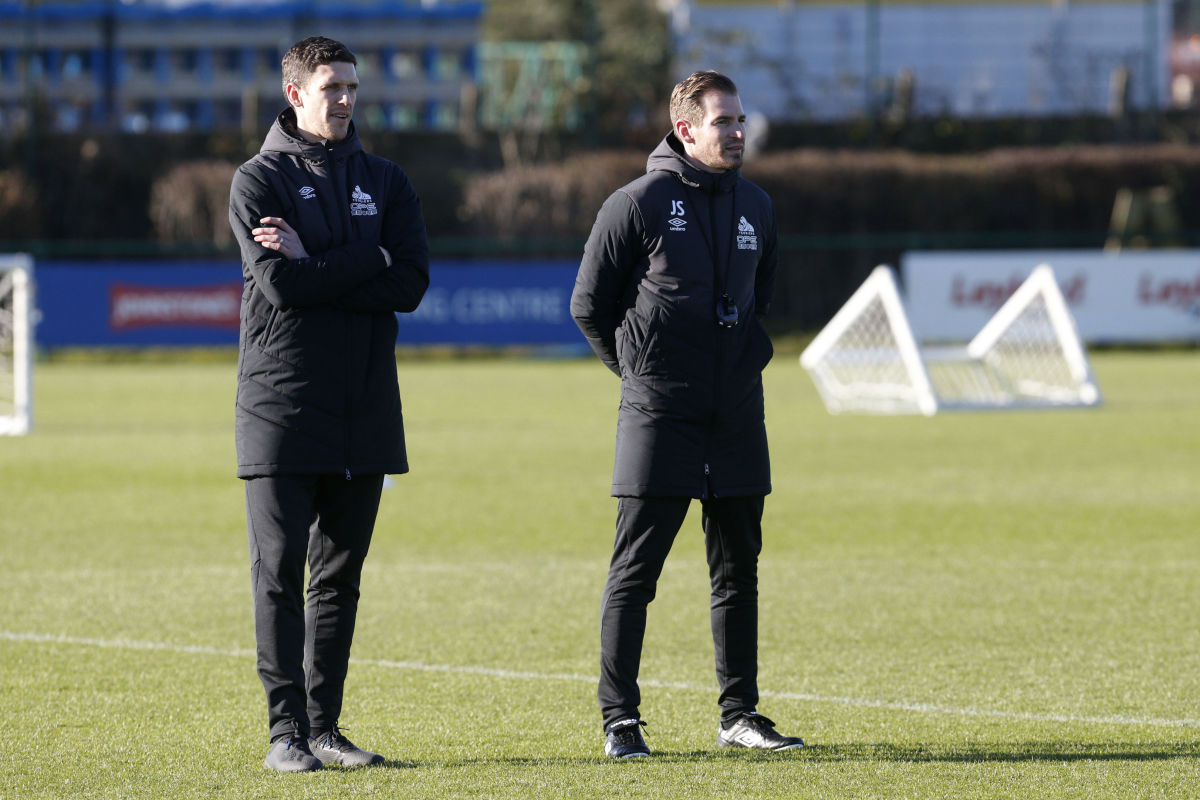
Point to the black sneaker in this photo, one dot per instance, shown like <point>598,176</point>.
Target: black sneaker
<point>291,754</point>
<point>333,747</point>
<point>755,731</point>
<point>625,740</point>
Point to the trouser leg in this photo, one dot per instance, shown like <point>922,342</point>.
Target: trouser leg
<point>733,541</point>
<point>337,546</point>
<point>279,510</point>
<point>646,529</point>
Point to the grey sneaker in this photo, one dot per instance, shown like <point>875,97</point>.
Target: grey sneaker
<point>291,754</point>
<point>333,747</point>
<point>755,731</point>
<point>625,740</point>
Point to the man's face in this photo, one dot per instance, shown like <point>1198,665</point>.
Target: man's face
<point>324,106</point>
<point>719,141</point>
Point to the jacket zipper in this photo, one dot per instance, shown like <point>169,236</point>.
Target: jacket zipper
<point>341,184</point>
<point>720,337</point>
<point>710,240</point>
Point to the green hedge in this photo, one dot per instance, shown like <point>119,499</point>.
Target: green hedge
<point>18,205</point>
<point>115,188</point>
<point>830,192</point>
<point>840,211</point>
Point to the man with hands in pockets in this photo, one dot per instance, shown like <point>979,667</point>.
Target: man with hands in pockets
<point>675,279</point>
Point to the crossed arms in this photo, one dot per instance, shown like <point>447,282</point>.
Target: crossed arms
<point>361,276</point>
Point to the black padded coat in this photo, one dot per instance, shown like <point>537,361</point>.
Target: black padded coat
<point>317,390</point>
<point>663,250</point>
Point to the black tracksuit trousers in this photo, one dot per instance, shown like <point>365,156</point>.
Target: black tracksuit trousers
<point>304,646</point>
<point>646,529</point>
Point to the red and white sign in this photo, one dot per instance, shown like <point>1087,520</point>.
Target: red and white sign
<point>1144,296</point>
<point>149,306</point>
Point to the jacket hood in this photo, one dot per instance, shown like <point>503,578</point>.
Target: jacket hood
<point>284,138</point>
<point>669,157</point>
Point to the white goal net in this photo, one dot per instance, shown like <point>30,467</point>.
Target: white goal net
<point>16,343</point>
<point>1027,356</point>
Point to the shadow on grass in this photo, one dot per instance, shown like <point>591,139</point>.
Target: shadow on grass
<point>1005,752</point>
<point>996,752</point>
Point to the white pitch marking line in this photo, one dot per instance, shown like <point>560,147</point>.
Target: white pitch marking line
<point>493,672</point>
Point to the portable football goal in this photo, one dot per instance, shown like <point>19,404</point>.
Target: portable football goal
<point>16,344</point>
<point>1029,355</point>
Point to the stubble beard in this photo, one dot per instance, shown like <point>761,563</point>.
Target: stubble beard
<point>726,159</point>
<point>337,129</point>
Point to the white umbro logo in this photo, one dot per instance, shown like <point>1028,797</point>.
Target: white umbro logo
<point>747,737</point>
<point>677,222</point>
<point>308,192</point>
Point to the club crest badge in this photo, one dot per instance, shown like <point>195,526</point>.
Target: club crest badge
<point>361,204</point>
<point>747,239</point>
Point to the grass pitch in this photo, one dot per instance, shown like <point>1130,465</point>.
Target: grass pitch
<point>974,605</point>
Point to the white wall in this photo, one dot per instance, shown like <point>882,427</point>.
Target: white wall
<point>798,61</point>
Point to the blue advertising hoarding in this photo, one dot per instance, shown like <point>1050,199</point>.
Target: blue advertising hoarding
<point>495,303</point>
<point>491,303</point>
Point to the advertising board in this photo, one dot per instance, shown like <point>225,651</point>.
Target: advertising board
<point>1128,297</point>
<point>143,304</point>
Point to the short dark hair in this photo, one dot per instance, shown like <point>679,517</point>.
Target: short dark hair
<point>302,60</point>
<point>688,95</point>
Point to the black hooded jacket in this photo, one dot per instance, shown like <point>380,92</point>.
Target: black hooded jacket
<point>317,390</point>
<point>662,252</point>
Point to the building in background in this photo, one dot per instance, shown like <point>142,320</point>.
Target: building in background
<point>209,67</point>
<point>824,61</point>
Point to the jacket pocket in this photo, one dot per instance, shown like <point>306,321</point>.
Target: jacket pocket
<point>639,351</point>
<point>264,338</point>
<point>761,351</point>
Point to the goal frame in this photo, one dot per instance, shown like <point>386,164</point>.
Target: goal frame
<point>16,328</point>
<point>948,378</point>
<point>917,396</point>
